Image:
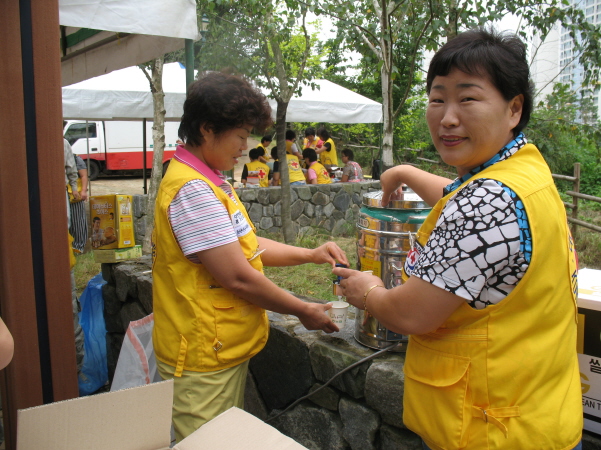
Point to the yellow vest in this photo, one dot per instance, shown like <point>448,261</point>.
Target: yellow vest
<point>263,170</point>
<point>505,377</point>
<point>323,177</point>
<point>199,325</point>
<point>266,155</point>
<point>294,169</point>
<point>330,157</point>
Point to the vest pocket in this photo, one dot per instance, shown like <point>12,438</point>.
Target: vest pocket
<point>240,330</point>
<point>435,403</point>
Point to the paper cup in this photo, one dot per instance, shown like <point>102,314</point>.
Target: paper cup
<point>338,313</point>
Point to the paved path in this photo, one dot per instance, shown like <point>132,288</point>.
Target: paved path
<point>135,185</point>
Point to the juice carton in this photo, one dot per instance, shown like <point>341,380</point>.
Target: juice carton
<point>112,221</point>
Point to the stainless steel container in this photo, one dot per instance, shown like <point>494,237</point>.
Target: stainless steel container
<point>384,237</point>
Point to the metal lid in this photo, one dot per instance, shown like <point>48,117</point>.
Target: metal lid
<point>408,200</point>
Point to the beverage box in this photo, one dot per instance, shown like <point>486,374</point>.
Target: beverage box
<point>112,221</point>
<point>589,346</point>
<point>138,418</point>
<point>116,255</point>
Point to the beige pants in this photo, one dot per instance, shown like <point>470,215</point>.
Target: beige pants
<point>200,396</point>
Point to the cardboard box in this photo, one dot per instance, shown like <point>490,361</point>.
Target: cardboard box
<point>112,221</point>
<point>138,419</point>
<point>116,255</point>
<point>589,346</point>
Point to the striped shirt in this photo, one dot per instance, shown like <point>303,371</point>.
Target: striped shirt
<point>198,218</point>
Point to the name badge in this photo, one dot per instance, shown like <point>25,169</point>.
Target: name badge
<point>240,223</point>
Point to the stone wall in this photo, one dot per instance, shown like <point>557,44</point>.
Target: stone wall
<point>360,410</point>
<point>331,207</point>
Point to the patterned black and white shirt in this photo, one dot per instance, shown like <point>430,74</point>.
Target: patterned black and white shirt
<point>481,245</point>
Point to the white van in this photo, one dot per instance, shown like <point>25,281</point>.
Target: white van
<point>115,147</point>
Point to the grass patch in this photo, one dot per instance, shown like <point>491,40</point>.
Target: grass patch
<point>311,280</point>
<point>85,269</point>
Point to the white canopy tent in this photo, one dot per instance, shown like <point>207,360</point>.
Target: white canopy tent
<point>99,36</point>
<point>125,95</point>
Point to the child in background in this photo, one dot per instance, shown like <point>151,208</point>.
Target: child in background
<point>255,172</point>
<point>316,173</point>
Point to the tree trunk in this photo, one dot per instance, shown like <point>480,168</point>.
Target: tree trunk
<point>158,138</point>
<point>280,120</point>
<point>387,103</point>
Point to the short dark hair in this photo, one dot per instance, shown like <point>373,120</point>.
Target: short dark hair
<point>323,133</point>
<point>266,138</point>
<point>310,131</point>
<point>274,152</point>
<point>96,219</point>
<point>222,102</point>
<point>254,154</point>
<point>310,153</point>
<point>485,52</point>
<point>348,153</point>
<point>261,151</point>
<point>290,134</point>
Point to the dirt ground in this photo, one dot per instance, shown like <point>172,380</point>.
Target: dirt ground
<point>135,185</point>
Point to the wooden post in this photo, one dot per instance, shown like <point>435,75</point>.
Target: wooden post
<point>576,188</point>
<point>35,287</point>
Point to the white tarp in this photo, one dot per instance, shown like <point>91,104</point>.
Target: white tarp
<point>148,28</point>
<point>171,18</point>
<point>125,94</point>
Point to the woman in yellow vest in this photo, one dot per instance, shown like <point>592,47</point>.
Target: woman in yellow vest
<point>489,291</point>
<point>209,291</point>
<point>327,151</point>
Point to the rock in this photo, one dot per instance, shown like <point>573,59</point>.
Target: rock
<point>399,439</point>
<point>113,348</point>
<point>125,281</point>
<point>112,304</point>
<point>328,209</point>
<point>313,427</point>
<point>145,292</point>
<point>248,195</point>
<point>320,198</point>
<point>131,311</point>
<point>253,403</point>
<point>342,201</point>
<point>266,223</point>
<point>282,369</point>
<point>384,387</point>
<point>330,357</point>
<point>107,273</point>
<point>255,212</point>
<point>263,196</point>
<point>303,221</point>
<point>296,209</point>
<point>275,194</point>
<point>309,209</point>
<point>304,192</point>
<point>360,424</point>
<point>327,397</point>
<point>268,211</point>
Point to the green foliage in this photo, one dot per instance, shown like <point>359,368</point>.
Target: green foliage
<point>556,129</point>
<point>311,280</point>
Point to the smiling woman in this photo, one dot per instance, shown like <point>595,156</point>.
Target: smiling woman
<point>209,291</point>
<point>489,292</point>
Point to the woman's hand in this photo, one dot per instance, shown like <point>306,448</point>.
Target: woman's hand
<point>316,318</point>
<point>392,183</point>
<point>329,253</point>
<point>354,284</point>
